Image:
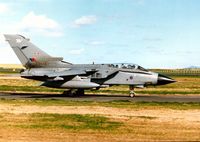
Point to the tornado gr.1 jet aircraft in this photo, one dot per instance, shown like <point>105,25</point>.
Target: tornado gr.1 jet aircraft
<point>56,73</point>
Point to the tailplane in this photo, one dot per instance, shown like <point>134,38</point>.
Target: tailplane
<point>30,55</point>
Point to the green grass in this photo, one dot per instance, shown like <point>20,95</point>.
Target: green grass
<point>67,121</point>
<point>179,72</point>
<point>168,92</point>
<point>154,105</point>
<point>9,70</point>
<point>28,88</point>
<point>115,104</point>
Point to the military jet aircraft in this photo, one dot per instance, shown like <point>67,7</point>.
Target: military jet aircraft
<point>56,73</point>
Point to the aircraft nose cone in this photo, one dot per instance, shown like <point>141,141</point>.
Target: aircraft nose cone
<point>162,80</point>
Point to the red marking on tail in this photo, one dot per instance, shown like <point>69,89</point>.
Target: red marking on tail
<point>33,59</point>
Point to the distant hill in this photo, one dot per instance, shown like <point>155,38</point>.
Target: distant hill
<point>13,66</point>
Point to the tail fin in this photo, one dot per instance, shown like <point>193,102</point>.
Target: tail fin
<point>29,55</point>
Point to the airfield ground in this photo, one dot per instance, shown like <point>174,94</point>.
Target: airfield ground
<point>57,119</point>
<point>37,120</point>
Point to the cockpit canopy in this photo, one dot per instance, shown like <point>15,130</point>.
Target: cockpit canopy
<point>127,66</point>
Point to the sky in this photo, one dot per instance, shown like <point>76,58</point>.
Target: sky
<point>151,33</point>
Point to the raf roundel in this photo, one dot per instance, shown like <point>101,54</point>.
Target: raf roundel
<point>33,59</point>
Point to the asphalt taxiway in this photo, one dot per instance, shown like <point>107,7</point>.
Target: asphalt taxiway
<point>103,98</point>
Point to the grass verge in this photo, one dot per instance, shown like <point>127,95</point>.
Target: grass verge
<point>61,121</point>
<point>115,104</point>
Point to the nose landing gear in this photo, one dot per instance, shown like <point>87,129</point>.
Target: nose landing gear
<point>132,93</point>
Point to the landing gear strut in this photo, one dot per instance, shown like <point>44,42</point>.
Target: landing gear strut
<point>132,93</point>
<point>80,92</point>
<point>74,92</point>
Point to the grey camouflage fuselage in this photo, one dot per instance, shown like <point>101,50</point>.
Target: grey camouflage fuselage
<point>55,72</point>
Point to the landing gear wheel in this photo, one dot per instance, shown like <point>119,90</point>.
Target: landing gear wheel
<point>74,92</point>
<point>70,93</point>
<point>132,93</point>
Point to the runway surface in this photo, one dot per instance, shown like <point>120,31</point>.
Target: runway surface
<point>103,98</point>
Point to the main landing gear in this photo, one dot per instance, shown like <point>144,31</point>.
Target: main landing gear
<point>132,93</point>
<point>74,92</point>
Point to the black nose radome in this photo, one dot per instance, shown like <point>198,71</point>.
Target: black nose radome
<point>162,80</point>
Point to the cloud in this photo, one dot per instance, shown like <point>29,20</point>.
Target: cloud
<point>8,56</point>
<point>40,24</point>
<point>3,8</point>
<point>6,53</point>
<point>29,24</point>
<point>31,20</point>
<point>85,20</point>
<point>95,43</point>
<point>2,40</point>
<point>76,51</point>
